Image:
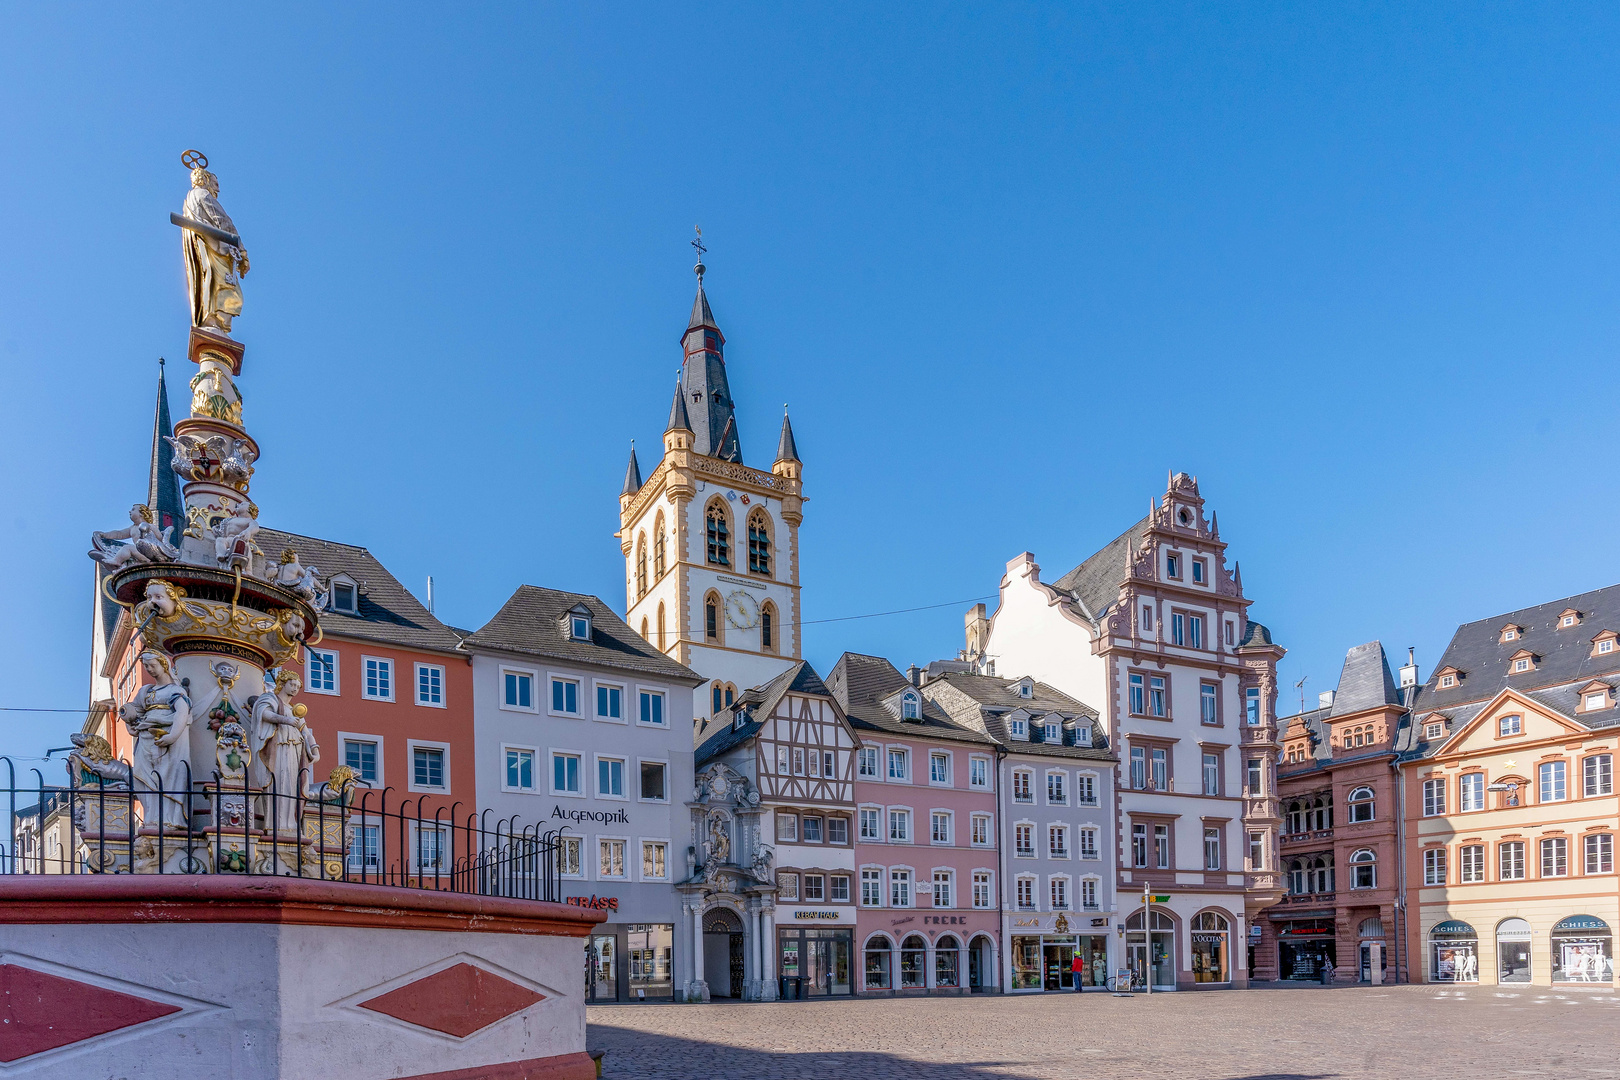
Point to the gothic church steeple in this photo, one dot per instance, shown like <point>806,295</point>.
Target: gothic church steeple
<point>162,487</point>
<point>703,383</point>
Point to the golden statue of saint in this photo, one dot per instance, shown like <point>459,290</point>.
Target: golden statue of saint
<point>214,268</point>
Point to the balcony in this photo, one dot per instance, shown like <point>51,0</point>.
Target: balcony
<point>1309,836</point>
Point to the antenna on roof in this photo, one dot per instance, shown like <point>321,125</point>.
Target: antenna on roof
<point>1300,686</point>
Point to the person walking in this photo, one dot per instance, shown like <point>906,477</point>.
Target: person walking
<point>1078,967</point>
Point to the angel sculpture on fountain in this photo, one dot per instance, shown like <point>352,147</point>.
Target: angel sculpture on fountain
<point>216,262</point>
<point>233,536</point>
<point>142,542</point>
<point>302,580</point>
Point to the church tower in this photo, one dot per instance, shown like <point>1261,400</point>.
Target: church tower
<point>711,546</point>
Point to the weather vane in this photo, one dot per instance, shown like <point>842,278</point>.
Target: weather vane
<point>697,245</point>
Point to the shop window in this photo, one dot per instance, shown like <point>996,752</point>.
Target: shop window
<point>1453,953</point>
<point>913,954</point>
<point>1582,950</point>
<point>878,955</point>
<point>1211,934</point>
<point>947,962</point>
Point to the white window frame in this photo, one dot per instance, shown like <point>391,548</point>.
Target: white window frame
<point>355,736</point>
<point>985,878</point>
<point>1058,828</point>
<point>579,842</point>
<point>417,668</point>
<point>1092,852</point>
<point>1094,885</point>
<point>579,692</point>
<point>552,753</point>
<point>596,863</point>
<point>865,754</point>
<point>876,875</point>
<point>393,680</point>
<point>860,824</point>
<point>982,763</point>
<point>663,710</point>
<point>943,875</point>
<point>596,776</point>
<point>950,827</point>
<point>640,761</point>
<point>1080,779</point>
<point>331,591</point>
<point>533,677</point>
<point>411,746</point>
<point>784,817</point>
<point>1052,883</point>
<point>1546,772</point>
<point>950,768</point>
<point>1019,884</point>
<point>888,764</point>
<point>447,839</point>
<point>988,822</point>
<point>1062,776</point>
<point>521,748</point>
<point>597,686</point>
<point>1030,775</point>
<point>911,886</point>
<point>337,671</point>
<point>910,820</point>
<point>641,857</point>
<point>1033,850</point>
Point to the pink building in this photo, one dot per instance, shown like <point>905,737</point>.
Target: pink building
<point>925,840</point>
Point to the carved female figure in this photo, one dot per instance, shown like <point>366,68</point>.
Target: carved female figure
<point>285,749</point>
<point>213,268</point>
<point>141,542</point>
<point>158,716</point>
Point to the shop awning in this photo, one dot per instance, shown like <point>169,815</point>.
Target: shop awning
<point>1453,928</point>
<point>1581,924</point>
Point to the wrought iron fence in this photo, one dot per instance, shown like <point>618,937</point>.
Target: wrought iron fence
<point>334,831</point>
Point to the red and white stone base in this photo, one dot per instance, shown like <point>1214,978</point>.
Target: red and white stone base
<point>212,976</point>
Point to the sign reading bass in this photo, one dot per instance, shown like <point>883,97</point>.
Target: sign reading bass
<point>598,903</point>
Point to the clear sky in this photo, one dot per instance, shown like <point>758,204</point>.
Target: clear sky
<point>1351,265</point>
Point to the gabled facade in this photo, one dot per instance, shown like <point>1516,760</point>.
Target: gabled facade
<point>1155,629</point>
<point>926,837</point>
<point>1510,806</point>
<point>711,545</point>
<point>772,893</point>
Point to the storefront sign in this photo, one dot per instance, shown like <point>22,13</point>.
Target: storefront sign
<point>1208,939</point>
<point>1579,924</point>
<point>1305,930</point>
<point>596,903</point>
<point>606,817</point>
<point>1026,922</point>
<point>1099,922</point>
<point>945,920</point>
<point>831,916</point>
<point>1255,930</point>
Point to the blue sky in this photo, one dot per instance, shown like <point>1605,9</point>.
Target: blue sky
<point>1351,265</point>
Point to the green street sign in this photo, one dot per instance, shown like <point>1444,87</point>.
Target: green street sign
<point>1159,898</point>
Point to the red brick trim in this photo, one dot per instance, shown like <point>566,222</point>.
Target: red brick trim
<point>578,1066</point>
<point>218,898</point>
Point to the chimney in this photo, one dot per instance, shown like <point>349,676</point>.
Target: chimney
<point>1409,672</point>
<point>430,594</point>
<point>976,625</point>
<point>914,675</point>
<point>1324,700</point>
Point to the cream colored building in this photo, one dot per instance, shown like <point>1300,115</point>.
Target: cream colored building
<point>1510,806</point>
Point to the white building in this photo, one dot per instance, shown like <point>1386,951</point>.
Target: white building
<point>1154,630</point>
<point>711,546</point>
<point>577,722</point>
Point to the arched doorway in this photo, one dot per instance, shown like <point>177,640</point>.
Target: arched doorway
<point>981,963</point>
<point>1453,952</point>
<point>1582,950</point>
<point>1513,951</point>
<point>1211,948</point>
<point>723,953</point>
<point>948,962</point>
<point>1151,951</point>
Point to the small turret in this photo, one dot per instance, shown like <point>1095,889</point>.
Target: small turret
<point>632,475</point>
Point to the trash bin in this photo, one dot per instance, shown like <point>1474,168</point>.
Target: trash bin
<point>791,988</point>
<point>1327,974</point>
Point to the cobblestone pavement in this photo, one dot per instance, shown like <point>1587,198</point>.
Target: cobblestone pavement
<point>1282,1034</point>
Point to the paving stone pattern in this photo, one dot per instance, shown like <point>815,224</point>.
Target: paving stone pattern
<point>1283,1034</point>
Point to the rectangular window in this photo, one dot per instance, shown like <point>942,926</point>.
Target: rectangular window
<point>1257,851</point>
<point>812,830</point>
<point>1147,618</point>
<point>872,888</point>
<point>978,773</point>
<point>814,760</point>
<point>520,769</point>
<point>322,677</point>
<point>568,857</point>
<point>940,824</point>
<point>1088,894</point>
<point>652,707</point>
<point>787,827</point>
<point>1553,785</point>
<point>1555,857</point>
<point>565,774</point>
<point>1060,894</point>
<point>1172,565</point>
<point>1231,633</point>
<point>1026,893</point>
<point>379,679</point>
<point>1161,846</point>
<point>782,767</point>
<point>1434,866</point>
<point>838,889</point>
<point>1471,863</point>
<point>1434,797</point>
<point>1024,841</point>
<point>1212,849</point>
<point>897,765</point>
<point>1178,632</point>
<point>981,889</point>
<point>611,858</point>
<point>1599,853</point>
<point>899,826</point>
<point>1085,790</point>
<point>1088,844</point>
<point>432,849</point>
<point>815,887</point>
<point>981,829</point>
<point>1471,791</point>
<point>565,696</point>
<point>1139,846</point>
<point>610,777</point>
<point>1057,789</point>
<point>871,824</point>
<point>827,763</point>
<point>900,888</point>
<point>361,756</point>
<point>1023,786</point>
<point>1159,759</point>
<point>939,769</point>
<point>1212,774</point>
<point>427,767</point>
<point>1138,698</point>
<point>1597,775</point>
<point>429,684</point>
<point>519,690</point>
<point>1208,703</point>
<point>1510,861</point>
<point>1195,631</point>
<point>787,886</point>
<point>1198,571</point>
<point>942,889</point>
<point>838,832</point>
<point>798,761</point>
<point>1057,841</point>
<point>1157,702</point>
<point>1138,767</point>
<point>654,781</point>
<point>654,859</point>
<point>1252,776</point>
<point>866,761</point>
<point>363,850</point>
<point>1251,706</point>
<point>1510,725</point>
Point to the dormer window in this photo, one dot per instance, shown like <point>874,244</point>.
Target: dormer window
<point>345,597</point>
<point>1447,681</point>
<point>910,707</point>
<point>1053,733</point>
<point>1511,632</point>
<point>1568,617</point>
<point>1603,643</point>
<point>1082,735</point>
<point>1433,730</point>
<point>1448,677</point>
<point>1596,696</point>
<point>1018,729</point>
<point>577,623</point>
<point>1522,661</point>
<point>1026,689</point>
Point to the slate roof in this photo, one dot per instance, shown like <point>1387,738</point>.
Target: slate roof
<point>997,697</point>
<point>632,474</point>
<point>859,683</point>
<point>710,412</point>
<point>530,623</point>
<point>786,448</point>
<point>1095,582</point>
<point>388,611</point>
<point>1365,681</point>
<point>720,733</point>
<point>1255,634</point>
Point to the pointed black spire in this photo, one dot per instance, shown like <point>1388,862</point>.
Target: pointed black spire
<point>162,486</point>
<point>787,450</point>
<point>703,378</point>
<point>632,474</point>
<point>678,419</point>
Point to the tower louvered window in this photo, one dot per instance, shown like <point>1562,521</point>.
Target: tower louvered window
<point>759,544</point>
<point>658,547</point>
<point>719,536</point>
<point>641,567</point>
